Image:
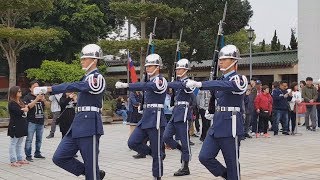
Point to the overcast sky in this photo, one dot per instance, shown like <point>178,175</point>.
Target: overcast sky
<point>270,15</point>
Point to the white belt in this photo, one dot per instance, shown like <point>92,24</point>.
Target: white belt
<point>227,109</point>
<point>88,108</point>
<point>153,106</point>
<point>182,103</point>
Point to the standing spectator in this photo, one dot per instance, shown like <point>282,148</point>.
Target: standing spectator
<point>281,107</point>
<point>296,98</point>
<point>310,95</point>
<point>249,110</point>
<point>68,102</point>
<point>55,110</point>
<point>255,91</point>
<point>263,107</point>
<point>121,109</point>
<point>203,104</point>
<point>17,128</point>
<point>35,117</point>
<point>302,84</point>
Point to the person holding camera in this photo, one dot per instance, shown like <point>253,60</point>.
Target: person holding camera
<point>35,117</point>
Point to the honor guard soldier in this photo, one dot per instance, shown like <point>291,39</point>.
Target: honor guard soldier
<point>228,119</point>
<point>153,121</point>
<point>86,128</point>
<point>179,124</point>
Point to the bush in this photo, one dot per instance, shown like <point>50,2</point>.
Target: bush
<point>4,109</point>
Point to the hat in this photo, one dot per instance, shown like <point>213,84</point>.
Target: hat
<point>258,82</point>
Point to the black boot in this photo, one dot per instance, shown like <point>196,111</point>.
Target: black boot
<point>184,170</point>
<point>102,174</point>
<point>51,135</point>
<point>139,156</point>
<point>157,178</point>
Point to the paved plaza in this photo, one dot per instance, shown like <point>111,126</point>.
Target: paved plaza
<point>282,157</point>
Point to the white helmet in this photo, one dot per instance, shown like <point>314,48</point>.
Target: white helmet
<point>91,51</point>
<point>153,60</point>
<point>183,64</point>
<point>229,51</point>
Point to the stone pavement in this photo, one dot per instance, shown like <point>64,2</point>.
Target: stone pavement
<point>282,157</point>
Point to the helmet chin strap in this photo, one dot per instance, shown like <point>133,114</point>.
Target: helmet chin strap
<point>182,74</point>
<point>226,69</point>
<point>87,68</point>
<point>150,74</point>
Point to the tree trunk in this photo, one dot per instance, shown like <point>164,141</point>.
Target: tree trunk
<point>12,62</point>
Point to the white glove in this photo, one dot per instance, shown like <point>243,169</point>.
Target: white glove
<point>208,116</point>
<point>120,85</point>
<point>40,90</point>
<point>193,84</point>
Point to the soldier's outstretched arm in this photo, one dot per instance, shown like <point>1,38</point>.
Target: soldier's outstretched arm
<point>93,86</point>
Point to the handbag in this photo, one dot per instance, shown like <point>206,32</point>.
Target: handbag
<point>301,108</point>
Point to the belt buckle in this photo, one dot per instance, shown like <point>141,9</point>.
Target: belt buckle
<point>223,108</point>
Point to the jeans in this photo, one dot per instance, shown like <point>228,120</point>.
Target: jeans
<point>280,116</point>
<point>123,113</point>
<point>55,115</point>
<point>33,128</point>
<point>15,149</point>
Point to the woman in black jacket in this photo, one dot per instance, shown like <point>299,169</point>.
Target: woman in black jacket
<point>68,103</point>
<point>17,126</point>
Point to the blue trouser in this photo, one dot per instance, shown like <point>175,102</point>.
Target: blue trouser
<point>180,129</point>
<point>209,151</point>
<point>136,142</point>
<point>68,147</point>
<point>34,128</point>
<point>280,115</point>
<point>124,114</point>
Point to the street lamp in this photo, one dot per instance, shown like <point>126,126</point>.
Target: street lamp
<point>250,36</point>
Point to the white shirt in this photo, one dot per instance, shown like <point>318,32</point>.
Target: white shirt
<point>55,107</point>
<point>296,95</point>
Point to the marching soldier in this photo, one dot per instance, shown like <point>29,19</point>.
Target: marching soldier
<point>227,121</point>
<point>86,128</point>
<point>153,121</point>
<point>179,124</point>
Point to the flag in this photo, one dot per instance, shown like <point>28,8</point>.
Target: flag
<point>132,70</point>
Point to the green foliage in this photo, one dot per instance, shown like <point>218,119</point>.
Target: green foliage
<point>239,39</point>
<point>293,40</point>
<point>56,72</point>
<point>28,35</point>
<point>83,21</point>
<point>22,7</point>
<point>145,10</point>
<point>4,109</point>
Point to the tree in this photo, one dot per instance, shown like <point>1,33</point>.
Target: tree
<point>284,48</point>
<point>240,39</point>
<point>263,46</point>
<point>83,21</point>
<point>293,40</point>
<point>274,46</point>
<point>13,39</point>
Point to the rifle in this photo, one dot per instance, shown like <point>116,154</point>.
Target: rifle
<point>150,48</point>
<point>214,66</point>
<point>176,59</point>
